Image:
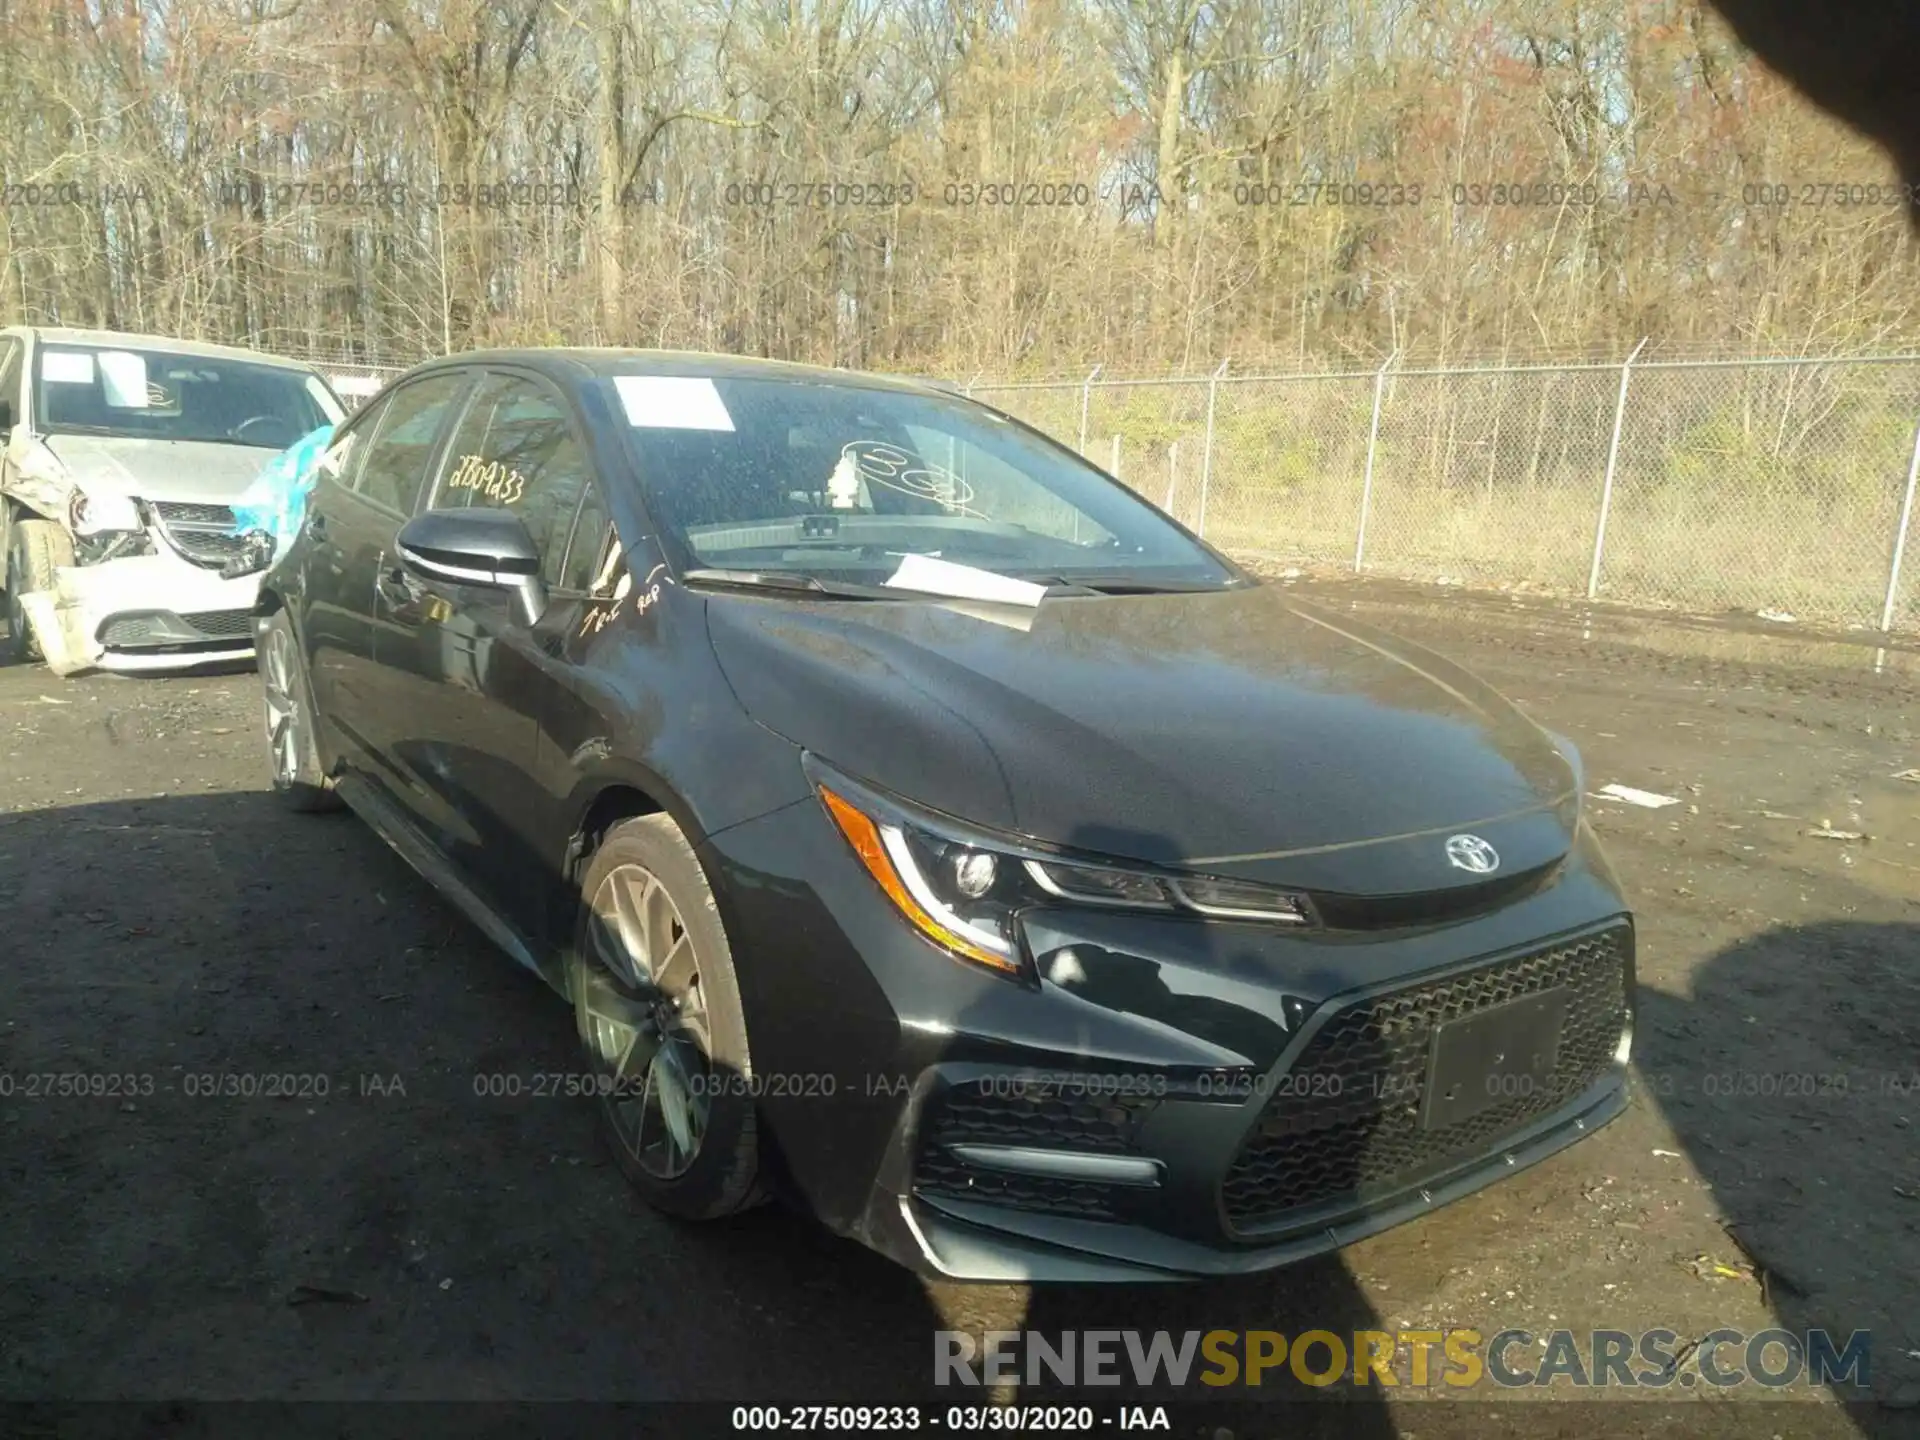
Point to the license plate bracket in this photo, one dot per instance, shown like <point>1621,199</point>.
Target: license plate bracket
<point>1492,1056</point>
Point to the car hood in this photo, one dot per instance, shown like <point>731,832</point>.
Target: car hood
<point>194,471</point>
<point>1240,732</point>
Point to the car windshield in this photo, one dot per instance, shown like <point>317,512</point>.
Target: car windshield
<point>842,483</point>
<point>162,395</point>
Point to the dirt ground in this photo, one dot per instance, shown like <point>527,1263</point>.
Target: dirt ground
<point>162,921</point>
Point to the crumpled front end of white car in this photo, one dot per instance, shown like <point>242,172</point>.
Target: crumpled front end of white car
<point>147,593</point>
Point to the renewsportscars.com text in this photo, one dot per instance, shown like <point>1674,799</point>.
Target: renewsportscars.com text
<point>1455,1358</point>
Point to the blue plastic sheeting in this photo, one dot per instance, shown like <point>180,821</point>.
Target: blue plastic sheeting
<point>276,501</point>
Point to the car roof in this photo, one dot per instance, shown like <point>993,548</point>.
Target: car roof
<point>576,362</point>
<point>172,345</point>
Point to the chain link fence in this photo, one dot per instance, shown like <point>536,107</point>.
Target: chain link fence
<point>356,384</point>
<point>1776,487</point>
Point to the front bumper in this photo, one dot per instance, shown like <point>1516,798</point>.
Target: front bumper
<point>144,613</point>
<point>1199,1099</point>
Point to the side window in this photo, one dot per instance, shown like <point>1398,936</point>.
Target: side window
<point>395,464</point>
<point>589,544</point>
<point>10,351</point>
<point>343,457</point>
<point>515,450</point>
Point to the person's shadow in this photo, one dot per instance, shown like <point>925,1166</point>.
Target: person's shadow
<point>1791,1079</point>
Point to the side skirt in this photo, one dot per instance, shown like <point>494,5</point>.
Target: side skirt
<point>385,821</point>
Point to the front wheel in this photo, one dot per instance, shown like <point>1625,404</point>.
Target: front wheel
<point>35,550</point>
<point>660,1020</point>
<point>291,752</point>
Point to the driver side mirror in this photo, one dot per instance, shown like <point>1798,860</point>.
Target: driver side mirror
<point>489,548</point>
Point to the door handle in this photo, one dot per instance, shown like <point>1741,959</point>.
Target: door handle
<point>317,524</point>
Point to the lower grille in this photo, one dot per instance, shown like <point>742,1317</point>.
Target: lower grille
<point>1006,1110</point>
<point>163,629</point>
<point>222,624</point>
<point>1355,1133</point>
<point>128,630</point>
<point>200,533</point>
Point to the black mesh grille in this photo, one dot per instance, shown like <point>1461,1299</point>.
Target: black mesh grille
<point>222,624</point>
<point>174,512</point>
<point>1353,1132</point>
<point>202,533</point>
<point>167,630</point>
<point>1011,1111</point>
<point>127,630</point>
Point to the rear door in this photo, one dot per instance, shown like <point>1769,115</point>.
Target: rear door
<point>366,487</point>
<point>463,680</point>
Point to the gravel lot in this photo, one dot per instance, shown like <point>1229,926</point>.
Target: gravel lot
<point>163,919</point>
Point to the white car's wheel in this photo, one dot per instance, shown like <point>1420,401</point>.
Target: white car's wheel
<point>35,550</point>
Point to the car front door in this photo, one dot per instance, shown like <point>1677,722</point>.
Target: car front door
<point>464,677</point>
<point>366,485</point>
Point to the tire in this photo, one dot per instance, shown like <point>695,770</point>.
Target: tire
<point>287,708</point>
<point>665,1040</point>
<point>35,549</point>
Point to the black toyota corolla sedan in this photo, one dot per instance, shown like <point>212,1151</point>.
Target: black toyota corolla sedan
<point>929,831</point>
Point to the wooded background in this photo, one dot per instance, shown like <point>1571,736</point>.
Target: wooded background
<point>152,156</point>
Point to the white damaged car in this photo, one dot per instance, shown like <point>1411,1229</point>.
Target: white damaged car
<point>120,459</point>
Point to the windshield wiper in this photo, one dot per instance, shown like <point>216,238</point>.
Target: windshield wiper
<point>791,580</point>
<point>1122,585</point>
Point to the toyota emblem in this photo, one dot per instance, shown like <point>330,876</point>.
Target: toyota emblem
<point>1470,852</point>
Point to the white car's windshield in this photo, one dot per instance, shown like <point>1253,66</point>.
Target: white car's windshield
<point>161,395</point>
<point>842,482</point>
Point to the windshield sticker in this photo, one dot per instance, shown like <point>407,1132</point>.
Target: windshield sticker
<point>123,376</point>
<point>66,367</point>
<point>488,478</point>
<point>672,402</point>
<point>891,468</point>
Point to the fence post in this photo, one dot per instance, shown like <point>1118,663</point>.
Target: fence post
<point>1086,395</point>
<point>1206,452</point>
<point>1373,440</point>
<point>1900,537</point>
<point>967,389</point>
<point>1173,474</point>
<point>1114,468</point>
<point>1613,461</point>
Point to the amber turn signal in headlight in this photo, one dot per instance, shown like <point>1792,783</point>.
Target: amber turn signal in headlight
<point>965,892</point>
<point>915,870</point>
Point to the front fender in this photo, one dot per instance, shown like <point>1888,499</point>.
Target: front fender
<point>34,479</point>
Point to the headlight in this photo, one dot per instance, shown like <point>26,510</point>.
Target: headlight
<point>965,892</point>
<point>98,514</point>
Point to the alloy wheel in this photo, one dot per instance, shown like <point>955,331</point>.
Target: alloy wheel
<point>282,707</point>
<point>644,1020</point>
